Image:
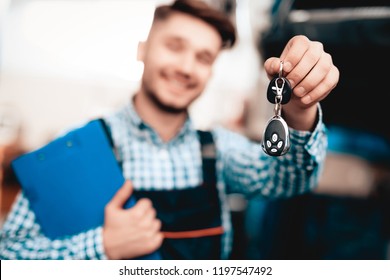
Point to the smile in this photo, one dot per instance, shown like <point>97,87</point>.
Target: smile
<point>177,82</point>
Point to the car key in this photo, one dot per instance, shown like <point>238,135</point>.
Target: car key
<point>279,85</point>
<point>276,136</point>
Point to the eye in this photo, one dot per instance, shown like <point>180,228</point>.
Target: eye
<point>205,59</point>
<point>174,45</point>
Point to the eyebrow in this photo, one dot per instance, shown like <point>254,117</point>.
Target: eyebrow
<point>174,38</point>
<point>182,40</point>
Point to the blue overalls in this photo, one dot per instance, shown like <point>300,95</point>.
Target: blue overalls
<point>191,218</point>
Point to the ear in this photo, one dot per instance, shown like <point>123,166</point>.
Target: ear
<point>141,51</point>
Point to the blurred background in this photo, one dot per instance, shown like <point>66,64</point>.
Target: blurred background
<point>63,62</point>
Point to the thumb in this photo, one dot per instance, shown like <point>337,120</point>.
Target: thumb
<point>122,195</point>
<point>272,66</point>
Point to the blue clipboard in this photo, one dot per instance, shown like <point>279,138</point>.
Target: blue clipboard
<point>69,181</point>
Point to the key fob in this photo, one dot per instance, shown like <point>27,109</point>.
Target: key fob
<point>282,84</point>
<point>276,137</point>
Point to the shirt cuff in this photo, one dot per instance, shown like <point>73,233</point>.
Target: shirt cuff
<point>99,247</point>
<point>315,142</point>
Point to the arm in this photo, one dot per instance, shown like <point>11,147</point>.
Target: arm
<point>21,238</point>
<point>312,75</point>
<point>248,170</point>
<point>127,233</point>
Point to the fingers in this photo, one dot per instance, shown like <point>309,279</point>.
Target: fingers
<point>323,88</point>
<point>155,242</point>
<point>308,67</point>
<point>144,210</point>
<point>144,215</point>
<point>132,232</point>
<point>122,195</point>
<point>314,77</point>
<point>296,49</point>
<point>271,66</point>
<point>313,59</point>
<point>292,54</point>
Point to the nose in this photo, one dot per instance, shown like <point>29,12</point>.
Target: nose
<point>187,63</point>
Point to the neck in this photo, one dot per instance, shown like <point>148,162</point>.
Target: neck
<point>166,124</point>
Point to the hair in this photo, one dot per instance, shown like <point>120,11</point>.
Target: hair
<point>204,12</point>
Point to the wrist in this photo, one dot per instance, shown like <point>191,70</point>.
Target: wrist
<point>109,248</point>
<point>300,118</point>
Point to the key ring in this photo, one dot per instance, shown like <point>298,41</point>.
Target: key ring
<point>281,69</point>
<point>279,86</point>
<point>277,109</point>
<point>279,90</point>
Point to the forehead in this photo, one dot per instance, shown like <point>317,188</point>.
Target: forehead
<point>194,31</point>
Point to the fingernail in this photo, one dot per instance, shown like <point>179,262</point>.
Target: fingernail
<point>275,65</point>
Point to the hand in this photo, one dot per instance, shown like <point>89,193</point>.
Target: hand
<point>312,75</point>
<point>133,232</point>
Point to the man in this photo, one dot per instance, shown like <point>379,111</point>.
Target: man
<point>179,176</point>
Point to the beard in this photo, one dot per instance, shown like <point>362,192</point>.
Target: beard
<point>161,105</point>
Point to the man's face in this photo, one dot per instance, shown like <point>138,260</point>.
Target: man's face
<point>178,58</point>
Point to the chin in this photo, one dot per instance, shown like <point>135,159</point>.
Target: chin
<point>178,107</point>
<point>176,102</point>
<point>171,106</point>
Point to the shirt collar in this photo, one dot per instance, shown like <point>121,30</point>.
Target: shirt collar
<point>133,116</point>
<point>139,124</point>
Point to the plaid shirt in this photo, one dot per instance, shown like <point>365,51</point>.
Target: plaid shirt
<point>150,163</point>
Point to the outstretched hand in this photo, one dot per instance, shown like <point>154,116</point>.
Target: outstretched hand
<point>312,75</point>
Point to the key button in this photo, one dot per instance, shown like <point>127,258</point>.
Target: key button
<point>274,137</point>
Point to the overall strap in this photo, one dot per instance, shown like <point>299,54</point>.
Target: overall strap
<point>108,133</point>
<point>209,154</point>
<point>106,130</point>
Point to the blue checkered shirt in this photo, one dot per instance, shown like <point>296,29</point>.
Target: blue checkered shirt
<point>242,167</point>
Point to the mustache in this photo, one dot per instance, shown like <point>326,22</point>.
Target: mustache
<point>181,77</point>
<point>164,107</point>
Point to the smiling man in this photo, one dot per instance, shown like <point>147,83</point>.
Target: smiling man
<point>178,57</point>
<point>182,176</point>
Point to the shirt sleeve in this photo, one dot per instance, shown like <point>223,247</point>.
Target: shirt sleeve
<point>21,238</point>
<point>248,170</point>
